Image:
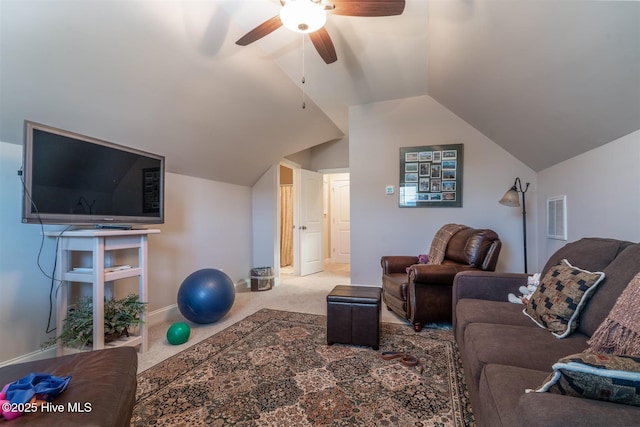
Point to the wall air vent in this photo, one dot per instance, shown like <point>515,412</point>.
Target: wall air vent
<point>557,217</point>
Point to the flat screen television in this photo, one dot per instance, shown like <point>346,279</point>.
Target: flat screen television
<point>75,179</point>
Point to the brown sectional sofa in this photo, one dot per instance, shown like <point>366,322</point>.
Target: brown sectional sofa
<point>504,353</point>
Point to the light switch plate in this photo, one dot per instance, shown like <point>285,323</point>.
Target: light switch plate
<point>390,189</point>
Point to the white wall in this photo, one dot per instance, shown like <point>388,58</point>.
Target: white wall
<point>208,224</point>
<point>24,305</point>
<point>330,155</point>
<point>265,227</point>
<point>603,194</point>
<point>379,227</point>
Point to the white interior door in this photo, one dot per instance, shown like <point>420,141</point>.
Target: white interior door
<point>340,220</point>
<point>310,227</point>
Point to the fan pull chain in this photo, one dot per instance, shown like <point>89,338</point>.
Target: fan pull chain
<point>304,104</point>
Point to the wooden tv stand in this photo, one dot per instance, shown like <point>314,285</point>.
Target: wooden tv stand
<point>102,243</point>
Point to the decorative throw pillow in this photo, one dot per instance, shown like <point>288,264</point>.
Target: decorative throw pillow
<point>563,291</point>
<point>596,376</point>
<point>620,331</point>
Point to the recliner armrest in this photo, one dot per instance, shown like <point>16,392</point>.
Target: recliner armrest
<point>397,263</point>
<point>435,274</point>
<point>487,285</point>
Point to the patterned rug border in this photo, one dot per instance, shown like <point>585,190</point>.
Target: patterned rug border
<point>157,378</point>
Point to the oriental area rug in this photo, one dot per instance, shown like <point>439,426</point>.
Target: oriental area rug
<point>274,368</point>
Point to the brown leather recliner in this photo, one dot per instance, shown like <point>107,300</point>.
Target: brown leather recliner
<point>423,295</point>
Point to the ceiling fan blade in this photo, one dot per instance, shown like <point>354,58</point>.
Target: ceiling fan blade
<point>260,31</point>
<point>324,45</point>
<point>368,7</point>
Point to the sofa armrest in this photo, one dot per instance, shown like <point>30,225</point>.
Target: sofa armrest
<point>487,285</point>
<point>397,263</point>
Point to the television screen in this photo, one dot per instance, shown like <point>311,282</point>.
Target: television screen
<point>75,179</point>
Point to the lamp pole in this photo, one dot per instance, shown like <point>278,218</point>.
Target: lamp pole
<point>512,199</point>
<point>524,217</point>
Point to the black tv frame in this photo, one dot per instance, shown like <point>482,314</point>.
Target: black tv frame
<point>31,217</point>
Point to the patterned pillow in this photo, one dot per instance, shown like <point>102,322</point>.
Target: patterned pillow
<point>596,376</point>
<point>563,291</point>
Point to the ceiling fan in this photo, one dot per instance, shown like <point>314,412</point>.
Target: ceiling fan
<point>309,17</point>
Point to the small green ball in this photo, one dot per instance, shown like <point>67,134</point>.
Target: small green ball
<point>178,333</point>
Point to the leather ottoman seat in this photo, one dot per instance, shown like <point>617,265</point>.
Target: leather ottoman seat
<point>353,315</point>
<point>102,390</point>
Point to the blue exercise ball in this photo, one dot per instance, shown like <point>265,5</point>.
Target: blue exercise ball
<point>206,295</point>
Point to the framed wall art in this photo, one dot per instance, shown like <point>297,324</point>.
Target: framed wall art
<point>431,176</point>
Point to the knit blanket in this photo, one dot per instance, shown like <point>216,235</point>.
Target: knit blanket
<point>620,332</point>
<point>441,240</point>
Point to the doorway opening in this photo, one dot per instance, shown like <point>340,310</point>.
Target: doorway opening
<point>287,226</point>
<point>338,219</point>
<point>334,212</point>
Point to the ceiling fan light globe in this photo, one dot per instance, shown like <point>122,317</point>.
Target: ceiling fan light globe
<point>303,16</point>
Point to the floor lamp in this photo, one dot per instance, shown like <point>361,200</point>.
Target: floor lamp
<point>512,199</point>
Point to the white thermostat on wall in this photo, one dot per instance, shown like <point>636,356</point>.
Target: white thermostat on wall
<point>389,189</point>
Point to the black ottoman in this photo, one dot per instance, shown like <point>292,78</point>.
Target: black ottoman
<point>353,315</point>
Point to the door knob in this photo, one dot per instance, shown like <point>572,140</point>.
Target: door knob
<point>304,227</point>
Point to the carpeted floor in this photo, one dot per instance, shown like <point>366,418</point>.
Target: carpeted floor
<point>274,369</point>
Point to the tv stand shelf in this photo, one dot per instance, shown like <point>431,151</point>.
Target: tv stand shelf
<point>88,277</point>
<point>102,244</point>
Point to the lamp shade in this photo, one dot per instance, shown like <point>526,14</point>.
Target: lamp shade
<point>510,198</point>
<point>303,16</point>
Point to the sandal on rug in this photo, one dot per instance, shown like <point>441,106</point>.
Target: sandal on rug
<point>405,359</point>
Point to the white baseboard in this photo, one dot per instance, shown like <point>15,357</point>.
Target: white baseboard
<point>165,314</point>
<point>30,357</point>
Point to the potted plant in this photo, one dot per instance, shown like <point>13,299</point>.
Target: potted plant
<point>120,316</point>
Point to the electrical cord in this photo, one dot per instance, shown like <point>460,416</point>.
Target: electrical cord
<point>53,289</point>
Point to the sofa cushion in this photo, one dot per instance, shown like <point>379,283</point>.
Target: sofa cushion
<point>500,389</point>
<point>617,276</point>
<point>554,410</point>
<point>504,403</point>
<point>471,310</point>
<point>522,346</point>
<point>557,301</point>
<point>592,253</point>
<point>596,376</point>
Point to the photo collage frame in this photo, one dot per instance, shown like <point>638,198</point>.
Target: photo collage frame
<point>431,176</point>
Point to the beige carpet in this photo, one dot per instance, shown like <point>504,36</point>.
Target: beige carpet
<point>273,368</point>
<point>295,293</point>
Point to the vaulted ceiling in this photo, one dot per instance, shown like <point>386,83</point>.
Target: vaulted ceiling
<point>545,80</point>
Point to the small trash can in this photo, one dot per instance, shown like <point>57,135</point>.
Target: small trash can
<point>261,278</point>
